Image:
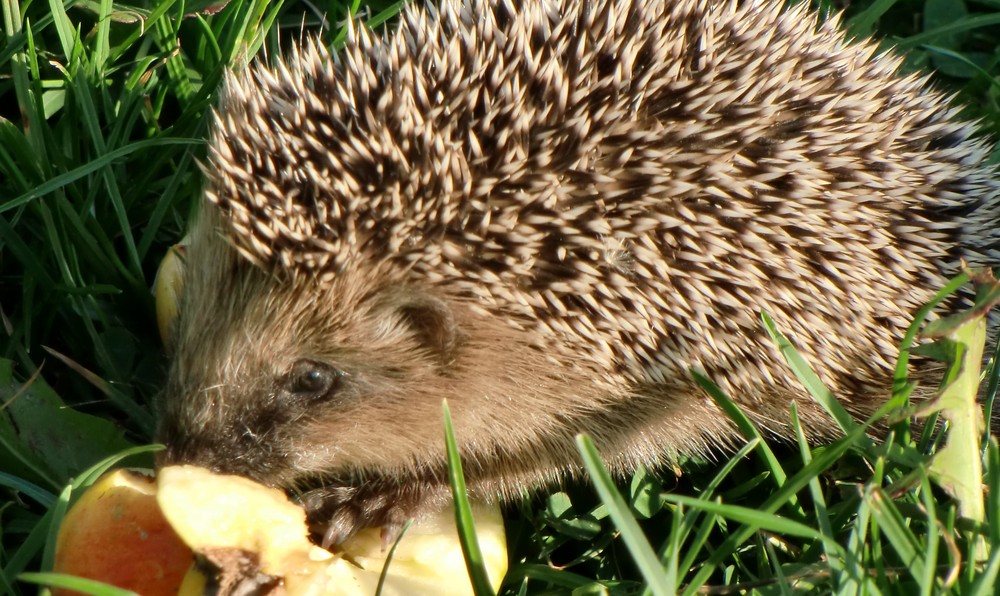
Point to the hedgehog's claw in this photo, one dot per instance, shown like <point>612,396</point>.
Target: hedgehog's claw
<point>341,526</point>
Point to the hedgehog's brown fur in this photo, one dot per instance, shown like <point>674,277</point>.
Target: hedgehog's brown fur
<point>547,215</point>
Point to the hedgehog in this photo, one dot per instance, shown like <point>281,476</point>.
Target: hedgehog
<point>549,213</point>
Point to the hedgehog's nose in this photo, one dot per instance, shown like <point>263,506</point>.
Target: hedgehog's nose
<point>181,450</point>
<point>220,450</point>
<point>184,447</point>
<point>213,457</point>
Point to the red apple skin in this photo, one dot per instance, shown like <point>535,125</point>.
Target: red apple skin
<point>116,534</point>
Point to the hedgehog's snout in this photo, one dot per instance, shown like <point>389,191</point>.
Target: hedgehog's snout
<point>239,445</point>
<point>186,452</point>
<point>222,457</point>
<point>187,446</point>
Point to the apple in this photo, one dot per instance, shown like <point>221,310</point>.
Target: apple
<point>191,529</point>
<point>115,533</point>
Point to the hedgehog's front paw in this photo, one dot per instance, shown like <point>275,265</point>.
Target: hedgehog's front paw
<point>337,512</point>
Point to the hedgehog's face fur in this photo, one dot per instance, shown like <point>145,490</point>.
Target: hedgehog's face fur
<point>279,379</point>
<point>266,358</point>
<point>333,389</point>
<point>295,382</point>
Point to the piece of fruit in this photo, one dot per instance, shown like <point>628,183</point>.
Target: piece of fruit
<point>215,513</point>
<point>130,532</point>
<point>167,287</point>
<point>253,537</point>
<point>428,559</point>
<point>115,533</point>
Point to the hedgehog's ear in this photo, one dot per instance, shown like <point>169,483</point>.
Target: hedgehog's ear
<point>432,324</point>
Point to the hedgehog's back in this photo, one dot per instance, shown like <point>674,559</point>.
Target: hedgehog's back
<point>633,182</point>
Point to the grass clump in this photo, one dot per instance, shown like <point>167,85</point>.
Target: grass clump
<point>104,111</point>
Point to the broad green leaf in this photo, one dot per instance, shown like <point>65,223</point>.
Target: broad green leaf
<point>44,436</point>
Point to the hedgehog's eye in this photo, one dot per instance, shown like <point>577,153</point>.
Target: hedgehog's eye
<point>312,380</point>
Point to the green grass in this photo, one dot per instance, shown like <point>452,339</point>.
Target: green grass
<point>103,116</point>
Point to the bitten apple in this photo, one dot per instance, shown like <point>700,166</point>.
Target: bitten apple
<point>116,534</point>
<point>134,533</point>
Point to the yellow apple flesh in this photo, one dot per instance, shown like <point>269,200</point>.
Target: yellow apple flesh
<point>222,516</point>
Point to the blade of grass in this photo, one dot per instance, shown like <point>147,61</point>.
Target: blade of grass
<point>964,60</point>
<point>959,26</point>
<point>27,551</point>
<point>928,580</point>
<point>35,492</point>
<point>986,581</point>
<point>388,558</point>
<point>15,245</point>
<point>989,397</point>
<point>90,167</point>
<point>557,577</point>
<point>64,28</point>
<point>821,515</point>
<point>56,514</point>
<point>27,101</point>
<point>88,114</point>
<point>102,45</point>
<point>140,415</point>
<point>77,584</point>
<point>855,566</point>
<point>893,526</point>
<point>168,198</point>
<point>992,478</point>
<point>809,379</point>
<point>463,513</point>
<point>757,519</point>
<point>707,494</point>
<point>863,23</point>
<point>899,378</point>
<point>645,559</point>
<point>672,548</point>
